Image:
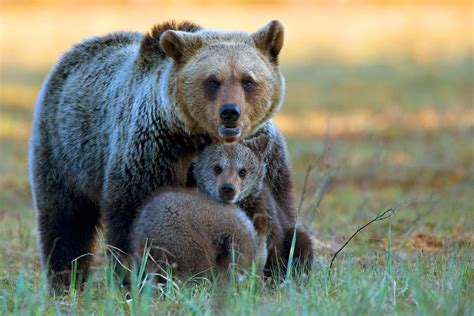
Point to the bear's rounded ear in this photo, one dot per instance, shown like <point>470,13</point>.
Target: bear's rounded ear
<point>269,39</point>
<point>179,45</point>
<point>259,145</point>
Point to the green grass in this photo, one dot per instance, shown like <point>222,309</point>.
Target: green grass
<point>423,284</point>
<point>423,172</point>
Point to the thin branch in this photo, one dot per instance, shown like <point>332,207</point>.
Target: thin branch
<point>303,193</point>
<point>414,223</point>
<point>420,215</point>
<point>383,216</point>
<point>324,186</point>
<point>320,192</point>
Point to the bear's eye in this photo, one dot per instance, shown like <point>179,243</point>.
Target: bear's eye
<point>242,173</point>
<point>213,84</point>
<point>247,84</point>
<point>217,170</point>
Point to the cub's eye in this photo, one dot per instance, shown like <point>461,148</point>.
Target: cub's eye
<point>242,173</point>
<point>213,84</point>
<point>247,84</point>
<point>217,170</point>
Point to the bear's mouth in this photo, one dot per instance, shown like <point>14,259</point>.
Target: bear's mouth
<point>229,134</point>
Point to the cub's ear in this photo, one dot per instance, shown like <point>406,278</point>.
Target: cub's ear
<point>269,39</point>
<point>179,45</point>
<point>201,142</point>
<point>259,145</point>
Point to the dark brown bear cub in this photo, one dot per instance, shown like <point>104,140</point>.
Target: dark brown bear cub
<point>194,233</point>
<point>234,174</point>
<point>190,234</point>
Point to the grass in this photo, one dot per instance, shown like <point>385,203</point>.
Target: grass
<point>388,123</point>
<point>436,285</point>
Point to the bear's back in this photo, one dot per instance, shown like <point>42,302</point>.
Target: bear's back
<point>92,47</point>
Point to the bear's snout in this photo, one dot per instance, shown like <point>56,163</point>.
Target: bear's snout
<point>227,192</point>
<point>229,114</point>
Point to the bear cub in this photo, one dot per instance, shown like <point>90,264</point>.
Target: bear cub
<point>235,174</point>
<point>196,232</point>
<point>190,234</point>
<point>232,173</point>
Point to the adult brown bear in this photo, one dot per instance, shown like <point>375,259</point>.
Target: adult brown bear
<point>116,118</point>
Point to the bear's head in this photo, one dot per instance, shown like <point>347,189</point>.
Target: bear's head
<point>230,172</point>
<point>223,84</point>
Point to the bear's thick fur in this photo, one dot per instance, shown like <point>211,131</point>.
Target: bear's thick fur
<point>190,234</point>
<point>116,118</point>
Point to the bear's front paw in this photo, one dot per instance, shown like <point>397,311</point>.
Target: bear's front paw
<point>261,223</point>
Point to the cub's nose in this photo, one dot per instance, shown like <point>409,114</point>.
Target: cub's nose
<point>229,113</point>
<point>227,192</point>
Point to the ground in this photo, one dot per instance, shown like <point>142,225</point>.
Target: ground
<point>388,125</point>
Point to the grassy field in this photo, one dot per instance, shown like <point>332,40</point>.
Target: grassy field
<point>379,101</point>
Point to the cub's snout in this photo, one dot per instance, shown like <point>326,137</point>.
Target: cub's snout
<point>227,192</point>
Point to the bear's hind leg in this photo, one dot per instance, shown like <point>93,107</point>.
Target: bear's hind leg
<point>67,226</point>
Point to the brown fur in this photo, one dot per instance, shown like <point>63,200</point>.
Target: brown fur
<point>274,225</point>
<point>150,45</point>
<point>192,234</point>
<point>115,121</point>
<point>241,58</point>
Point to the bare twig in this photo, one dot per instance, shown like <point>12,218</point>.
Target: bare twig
<point>388,213</point>
<point>421,215</point>
<point>414,223</point>
<point>293,240</point>
<point>303,193</point>
<point>322,189</point>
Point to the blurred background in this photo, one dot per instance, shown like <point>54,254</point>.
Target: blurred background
<point>379,101</point>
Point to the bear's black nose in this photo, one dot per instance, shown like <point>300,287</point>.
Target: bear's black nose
<point>227,192</point>
<point>229,113</point>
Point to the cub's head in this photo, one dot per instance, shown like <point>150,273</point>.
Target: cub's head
<point>224,84</point>
<point>231,172</point>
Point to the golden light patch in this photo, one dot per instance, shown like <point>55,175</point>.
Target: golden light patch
<point>421,31</point>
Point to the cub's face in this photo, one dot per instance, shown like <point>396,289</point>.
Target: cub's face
<point>226,84</point>
<point>228,172</point>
